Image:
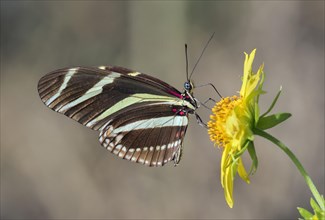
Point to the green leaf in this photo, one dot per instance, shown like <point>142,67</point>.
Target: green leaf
<point>272,120</point>
<point>273,103</point>
<point>304,213</point>
<point>252,153</point>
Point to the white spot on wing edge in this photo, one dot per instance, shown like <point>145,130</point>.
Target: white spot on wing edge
<point>101,139</point>
<point>128,156</point>
<point>122,152</point>
<point>124,149</point>
<point>117,149</point>
<point>133,158</point>
<point>134,74</point>
<point>118,138</point>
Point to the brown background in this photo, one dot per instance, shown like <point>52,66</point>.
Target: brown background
<point>54,168</point>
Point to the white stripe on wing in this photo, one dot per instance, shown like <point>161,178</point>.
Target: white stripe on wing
<point>138,98</point>
<point>95,90</point>
<point>63,86</point>
<point>153,123</point>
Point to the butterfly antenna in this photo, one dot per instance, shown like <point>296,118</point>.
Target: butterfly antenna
<point>206,45</point>
<point>186,61</point>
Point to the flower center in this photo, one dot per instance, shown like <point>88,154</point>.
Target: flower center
<point>217,125</point>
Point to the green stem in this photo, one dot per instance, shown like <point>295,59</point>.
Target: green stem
<point>294,159</point>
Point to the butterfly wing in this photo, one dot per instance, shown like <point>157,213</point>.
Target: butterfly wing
<point>112,98</point>
<point>150,135</point>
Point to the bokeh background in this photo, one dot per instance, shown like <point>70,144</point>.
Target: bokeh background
<point>54,168</point>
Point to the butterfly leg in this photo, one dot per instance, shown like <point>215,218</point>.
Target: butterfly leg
<point>204,103</point>
<point>209,99</point>
<point>200,121</point>
<point>178,155</point>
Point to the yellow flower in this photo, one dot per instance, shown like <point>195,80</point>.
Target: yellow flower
<point>231,123</point>
<point>234,123</point>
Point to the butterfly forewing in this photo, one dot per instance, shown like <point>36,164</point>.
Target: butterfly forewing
<point>140,118</point>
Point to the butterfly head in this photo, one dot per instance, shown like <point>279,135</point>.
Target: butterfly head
<point>188,86</point>
<point>188,93</point>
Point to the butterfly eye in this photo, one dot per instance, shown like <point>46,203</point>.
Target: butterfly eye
<point>188,86</point>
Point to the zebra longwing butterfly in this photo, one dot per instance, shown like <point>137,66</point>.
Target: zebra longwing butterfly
<point>140,118</point>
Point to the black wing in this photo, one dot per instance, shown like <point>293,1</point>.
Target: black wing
<point>140,118</point>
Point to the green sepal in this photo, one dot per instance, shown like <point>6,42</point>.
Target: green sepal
<point>234,169</point>
<point>252,153</point>
<point>314,205</point>
<point>305,213</point>
<point>257,113</point>
<point>319,213</point>
<point>239,153</point>
<point>272,120</point>
<point>273,103</point>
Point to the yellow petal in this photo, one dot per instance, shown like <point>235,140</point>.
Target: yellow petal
<point>253,81</point>
<point>242,171</point>
<point>247,71</point>
<point>224,161</point>
<point>229,186</point>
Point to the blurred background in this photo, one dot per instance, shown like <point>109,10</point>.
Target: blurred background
<point>54,168</point>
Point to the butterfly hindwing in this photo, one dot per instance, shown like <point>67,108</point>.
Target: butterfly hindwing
<point>152,138</point>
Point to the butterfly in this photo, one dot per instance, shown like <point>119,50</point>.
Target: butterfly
<point>139,118</point>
